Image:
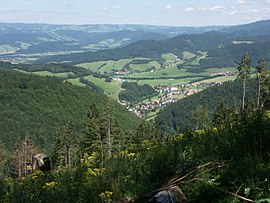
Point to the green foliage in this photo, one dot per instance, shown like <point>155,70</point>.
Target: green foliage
<point>135,92</point>
<point>178,116</point>
<point>91,85</point>
<point>219,162</point>
<point>209,165</point>
<point>37,105</point>
<point>217,62</point>
<point>244,68</point>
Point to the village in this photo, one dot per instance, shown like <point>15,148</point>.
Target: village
<point>166,95</point>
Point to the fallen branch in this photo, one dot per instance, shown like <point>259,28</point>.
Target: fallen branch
<point>240,197</point>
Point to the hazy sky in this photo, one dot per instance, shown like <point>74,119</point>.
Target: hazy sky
<point>156,12</point>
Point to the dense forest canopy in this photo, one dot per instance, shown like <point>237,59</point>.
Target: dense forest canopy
<point>179,116</point>
<point>38,104</point>
<point>134,92</point>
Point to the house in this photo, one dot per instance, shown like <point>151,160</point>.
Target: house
<point>174,89</point>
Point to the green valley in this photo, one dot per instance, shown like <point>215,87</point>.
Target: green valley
<point>128,113</point>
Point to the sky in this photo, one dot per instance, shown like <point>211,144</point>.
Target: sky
<point>150,12</point>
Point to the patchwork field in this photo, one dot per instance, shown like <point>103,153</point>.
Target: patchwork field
<point>172,71</point>
<point>105,66</point>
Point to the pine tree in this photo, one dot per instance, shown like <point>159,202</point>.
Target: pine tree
<point>65,146</point>
<point>111,130</point>
<point>92,132</point>
<point>200,117</point>
<point>263,83</point>
<point>244,70</point>
<point>22,156</point>
<point>28,151</point>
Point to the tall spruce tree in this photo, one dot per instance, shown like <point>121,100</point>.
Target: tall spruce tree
<point>244,71</point>
<point>22,156</point>
<point>92,132</point>
<point>110,130</point>
<point>200,117</point>
<point>263,87</point>
<point>66,143</point>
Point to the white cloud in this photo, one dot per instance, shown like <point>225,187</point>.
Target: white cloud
<point>167,7</point>
<point>241,2</point>
<point>117,7</point>
<point>217,8</point>
<point>233,12</point>
<point>266,1</point>
<point>189,9</point>
<point>254,10</point>
<point>111,8</point>
<point>202,9</point>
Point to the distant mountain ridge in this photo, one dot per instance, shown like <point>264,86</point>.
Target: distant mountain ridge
<point>226,42</point>
<point>251,29</point>
<point>42,38</point>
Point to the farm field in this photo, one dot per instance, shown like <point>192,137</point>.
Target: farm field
<point>170,72</point>
<point>109,66</point>
<point>76,81</point>
<point>156,82</point>
<point>105,66</point>
<point>217,79</point>
<point>145,66</point>
<point>47,73</point>
<point>110,88</point>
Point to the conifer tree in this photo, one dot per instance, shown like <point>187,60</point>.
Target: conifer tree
<point>92,135</point>
<point>22,156</point>
<point>263,86</point>
<point>244,71</point>
<point>66,143</point>
<point>200,117</point>
<point>110,129</point>
<point>28,151</point>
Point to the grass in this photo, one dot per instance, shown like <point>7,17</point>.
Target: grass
<point>217,79</point>
<point>145,66</point>
<point>110,88</point>
<point>210,71</point>
<point>169,57</point>
<point>47,73</point>
<point>76,81</point>
<point>152,115</point>
<point>156,82</point>
<point>169,72</point>
<point>117,65</point>
<point>108,66</point>
<point>6,48</point>
<point>92,66</point>
<point>188,55</point>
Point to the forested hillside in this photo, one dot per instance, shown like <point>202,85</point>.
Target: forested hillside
<point>149,48</point>
<point>211,147</point>
<point>36,105</point>
<point>181,116</point>
<point>229,44</point>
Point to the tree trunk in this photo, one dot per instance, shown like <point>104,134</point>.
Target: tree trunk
<point>244,93</point>
<point>109,140</point>
<point>259,92</point>
<point>69,158</point>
